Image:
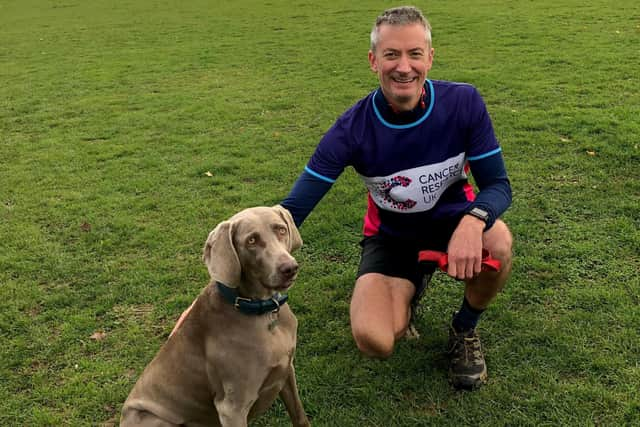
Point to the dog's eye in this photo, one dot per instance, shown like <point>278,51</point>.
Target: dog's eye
<point>252,240</point>
<point>282,231</point>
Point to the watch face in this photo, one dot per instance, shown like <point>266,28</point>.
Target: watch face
<point>479,213</point>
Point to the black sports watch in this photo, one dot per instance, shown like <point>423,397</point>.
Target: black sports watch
<point>479,213</point>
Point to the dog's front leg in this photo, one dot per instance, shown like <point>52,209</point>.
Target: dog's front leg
<point>290,397</point>
<point>230,413</point>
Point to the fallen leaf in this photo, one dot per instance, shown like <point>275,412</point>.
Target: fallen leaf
<point>111,422</point>
<point>208,173</point>
<point>591,153</point>
<point>85,226</point>
<point>563,139</point>
<point>98,336</point>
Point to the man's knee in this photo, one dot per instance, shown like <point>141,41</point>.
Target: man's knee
<point>499,241</point>
<point>379,313</point>
<point>375,344</point>
<point>481,290</point>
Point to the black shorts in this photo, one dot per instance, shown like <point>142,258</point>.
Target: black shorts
<point>399,257</point>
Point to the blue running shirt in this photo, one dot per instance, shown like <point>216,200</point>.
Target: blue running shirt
<point>416,172</point>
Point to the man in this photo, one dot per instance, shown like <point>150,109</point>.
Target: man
<point>413,142</point>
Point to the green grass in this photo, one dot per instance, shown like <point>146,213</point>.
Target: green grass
<point>111,113</point>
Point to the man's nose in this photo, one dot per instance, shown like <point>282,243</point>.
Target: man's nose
<point>404,65</point>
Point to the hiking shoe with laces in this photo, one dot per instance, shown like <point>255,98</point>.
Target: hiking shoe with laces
<point>467,368</point>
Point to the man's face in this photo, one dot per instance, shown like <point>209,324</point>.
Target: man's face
<point>401,60</point>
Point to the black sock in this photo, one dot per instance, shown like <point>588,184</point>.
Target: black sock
<point>467,318</point>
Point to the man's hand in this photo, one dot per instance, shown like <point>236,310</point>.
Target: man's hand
<point>465,248</point>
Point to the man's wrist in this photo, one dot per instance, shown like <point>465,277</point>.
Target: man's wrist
<point>478,217</point>
<point>471,219</point>
<point>479,213</point>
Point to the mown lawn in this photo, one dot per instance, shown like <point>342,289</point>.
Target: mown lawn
<point>129,129</point>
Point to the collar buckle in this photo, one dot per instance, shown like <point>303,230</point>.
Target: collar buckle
<point>236,303</point>
<point>275,301</point>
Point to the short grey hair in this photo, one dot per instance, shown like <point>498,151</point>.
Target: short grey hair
<point>403,15</point>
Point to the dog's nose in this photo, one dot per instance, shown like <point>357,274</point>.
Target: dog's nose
<point>288,269</point>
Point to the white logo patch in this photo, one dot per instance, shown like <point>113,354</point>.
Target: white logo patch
<point>417,189</point>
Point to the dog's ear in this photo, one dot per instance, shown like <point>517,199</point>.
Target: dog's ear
<point>220,256</point>
<point>295,240</point>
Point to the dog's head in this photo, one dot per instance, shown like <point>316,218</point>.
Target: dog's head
<point>252,251</point>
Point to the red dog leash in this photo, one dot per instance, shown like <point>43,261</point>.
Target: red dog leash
<point>442,259</point>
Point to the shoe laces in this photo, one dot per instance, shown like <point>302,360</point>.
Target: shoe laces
<point>467,346</point>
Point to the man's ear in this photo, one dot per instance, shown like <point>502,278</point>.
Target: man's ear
<point>295,240</point>
<point>220,256</point>
<point>373,62</point>
<point>431,52</point>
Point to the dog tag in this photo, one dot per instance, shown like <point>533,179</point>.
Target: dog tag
<point>273,316</point>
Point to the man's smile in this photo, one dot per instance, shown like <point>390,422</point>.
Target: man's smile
<point>403,80</point>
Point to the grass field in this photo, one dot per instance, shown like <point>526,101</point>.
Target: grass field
<point>112,113</point>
